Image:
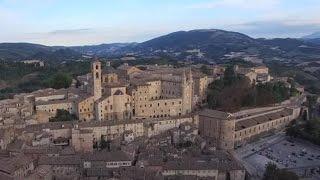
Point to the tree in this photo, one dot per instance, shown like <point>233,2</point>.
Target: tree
<point>60,80</point>
<point>272,172</point>
<point>308,130</point>
<point>292,130</point>
<point>229,76</point>
<point>233,92</point>
<point>311,104</point>
<point>214,89</point>
<point>63,115</point>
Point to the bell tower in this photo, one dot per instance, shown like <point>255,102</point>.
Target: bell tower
<point>187,86</point>
<point>96,79</point>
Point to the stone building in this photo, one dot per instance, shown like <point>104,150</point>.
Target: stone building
<point>155,127</point>
<point>143,98</point>
<point>48,101</point>
<point>6,137</point>
<point>82,140</point>
<point>35,62</point>
<point>200,86</point>
<point>62,166</point>
<point>116,94</point>
<point>19,108</point>
<point>16,167</point>
<point>163,96</point>
<point>105,159</point>
<point>259,74</point>
<point>85,108</point>
<point>96,78</point>
<point>116,104</point>
<point>219,166</point>
<point>83,135</point>
<point>232,130</point>
<point>127,72</point>
<point>248,128</point>
<point>218,125</point>
<point>112,101</point>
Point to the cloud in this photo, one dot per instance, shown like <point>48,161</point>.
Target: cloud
<point>36,21</point>
<point>272,29</point>
<point>92,35</point>
<point>70,31</point>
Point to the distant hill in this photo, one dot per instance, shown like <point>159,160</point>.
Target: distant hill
<point>312,38</point>
<point>286,44</point>
<point>216,43</point>
<point>59,55</point>
<point>20,51</point>
<point>289,48</point>
<point>315,41</point>
<point>197,39</point>
<point>103,49</point>
<point>23,51</point>
<point>315,35</point>
<point>212,43</point>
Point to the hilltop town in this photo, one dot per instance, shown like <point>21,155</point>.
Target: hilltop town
<point>159,90</point>
<point>140,122</point>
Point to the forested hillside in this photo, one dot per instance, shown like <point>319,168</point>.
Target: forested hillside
<point>18,77</point>
<point>234,92</point>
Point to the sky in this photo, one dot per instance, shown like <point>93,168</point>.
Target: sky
<point>88,22</point>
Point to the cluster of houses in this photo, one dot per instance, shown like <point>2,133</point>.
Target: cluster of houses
<point>132,122</point>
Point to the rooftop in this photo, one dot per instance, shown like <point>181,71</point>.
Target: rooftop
<point>74,160</point>
<point>59,101</point>
<point>216,114</point>
<point>220,160</point>
<point>106,156</point>
<point>51,125</point>
<point>243,124</point>
<point>10,164</point>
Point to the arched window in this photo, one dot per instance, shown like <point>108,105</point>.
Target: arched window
<point>97,75</point>
<point>97,66</point>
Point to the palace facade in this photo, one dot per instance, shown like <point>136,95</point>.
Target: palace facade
<point>126,93</point>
